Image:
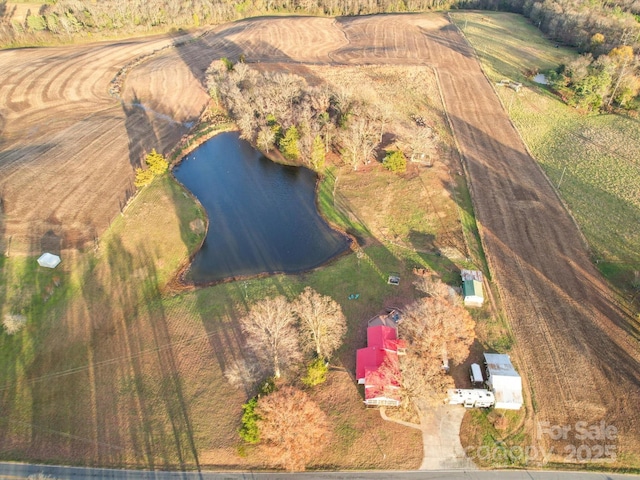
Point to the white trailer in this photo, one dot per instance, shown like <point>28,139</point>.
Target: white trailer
<point>471,398</point>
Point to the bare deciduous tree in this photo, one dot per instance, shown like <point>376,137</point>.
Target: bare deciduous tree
<point>271,334</point>
<point>246,373</point>
<point>291,439</point>
<point>422,141</point>
<point>432,286</point>
<point>358,141</point>
<point>322,322</point>
<point>435,329</point>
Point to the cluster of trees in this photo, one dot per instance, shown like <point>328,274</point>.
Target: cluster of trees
<point>279,335</point>
<point>575,22</point>
<point>290,440</point>
<point>156,165</point>
<point>593,83</point>
<point>278,110</point>
<point>607,33</point>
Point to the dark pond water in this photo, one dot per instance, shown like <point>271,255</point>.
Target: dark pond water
<point>262,215</point>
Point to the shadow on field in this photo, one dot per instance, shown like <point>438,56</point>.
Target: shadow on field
<point>198,53</point>
<point>140,130</point>
<point>96,380</point>
<point>141,413</point>
<point>30,297</point>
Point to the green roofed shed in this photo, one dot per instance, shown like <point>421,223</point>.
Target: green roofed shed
<point>472,293</point>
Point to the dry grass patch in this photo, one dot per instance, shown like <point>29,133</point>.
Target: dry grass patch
<point>362,439</point>
<point>13,323</point>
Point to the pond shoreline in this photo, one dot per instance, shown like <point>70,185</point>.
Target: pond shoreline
<point>180,282</point>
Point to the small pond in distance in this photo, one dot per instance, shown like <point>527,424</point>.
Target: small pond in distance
<point>262,215</point>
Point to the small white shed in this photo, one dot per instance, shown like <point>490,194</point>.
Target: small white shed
<point>503,381</point>
<point>49,260</point>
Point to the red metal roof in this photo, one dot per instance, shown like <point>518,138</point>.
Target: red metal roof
<point>369,357</point>
<point>383,381</point>
<point>380,336</point>
<point>383,344</point>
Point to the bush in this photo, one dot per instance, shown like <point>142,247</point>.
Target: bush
<point>395,161</point>
<point>249,431</point>
<point>316,373</point>
<point>317,153</point>
<point>143,177</point>
<point>289,144</point>
<point>36,23</point>
<point>227,63</point>
<point>156,162</point>
<point>157,166</point>
<point>13,323</point>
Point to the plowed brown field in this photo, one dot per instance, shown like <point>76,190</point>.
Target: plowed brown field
<point>68,150</point>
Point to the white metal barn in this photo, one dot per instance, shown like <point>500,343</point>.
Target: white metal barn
<point>503,381</point>
<point>472,288</point>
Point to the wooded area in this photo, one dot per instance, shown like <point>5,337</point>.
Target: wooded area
<point>278,110</point>
<point>573,22</point>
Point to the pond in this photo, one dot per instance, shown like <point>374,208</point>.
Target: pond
<point>262,215</point>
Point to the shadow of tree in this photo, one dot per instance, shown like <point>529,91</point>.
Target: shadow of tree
<point>140,130</point>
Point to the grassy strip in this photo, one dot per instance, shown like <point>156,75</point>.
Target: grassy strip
<point>591,159</point>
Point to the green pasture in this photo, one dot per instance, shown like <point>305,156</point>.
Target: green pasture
<point>592,160</point>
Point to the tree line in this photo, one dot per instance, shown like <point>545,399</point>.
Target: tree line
<point>573,22</point>
<point>607,33</point>
<point>281,336</point>
<point>590,83</point>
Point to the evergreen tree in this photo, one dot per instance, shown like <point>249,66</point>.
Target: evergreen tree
<point>317,153</point>
<point>289,144</point>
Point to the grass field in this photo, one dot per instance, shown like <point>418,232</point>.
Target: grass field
<point>591,159</point>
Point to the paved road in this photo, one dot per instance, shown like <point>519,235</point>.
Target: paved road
<point>11,471</point>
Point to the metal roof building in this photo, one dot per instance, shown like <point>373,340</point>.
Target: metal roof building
<point>503,381</point>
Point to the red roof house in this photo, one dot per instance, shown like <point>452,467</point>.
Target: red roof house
<point>377,366</point>
<point>385,338</point>
<point>382,384</point>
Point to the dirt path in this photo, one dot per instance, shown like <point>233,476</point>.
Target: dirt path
<point>68,152</point>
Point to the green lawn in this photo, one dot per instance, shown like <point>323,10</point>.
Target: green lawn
<point>593,160</point>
